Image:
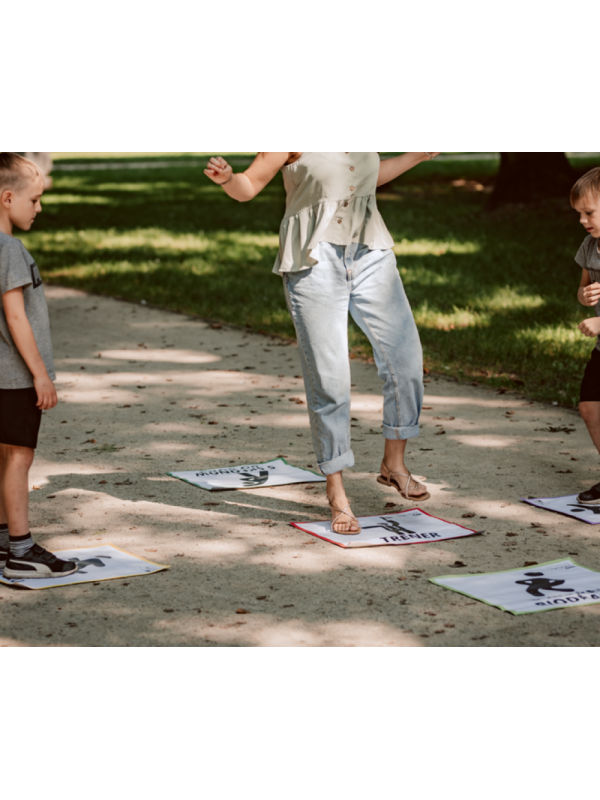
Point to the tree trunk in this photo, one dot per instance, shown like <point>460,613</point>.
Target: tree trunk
<point>527,177</point>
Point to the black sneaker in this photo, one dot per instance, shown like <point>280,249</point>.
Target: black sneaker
<point>591,497</point>
<point>3,558</point>
<point>38,563</point>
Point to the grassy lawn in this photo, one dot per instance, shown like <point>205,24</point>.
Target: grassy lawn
<point>494,295</point>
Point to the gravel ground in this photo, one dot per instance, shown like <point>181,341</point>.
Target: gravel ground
<point>174,393</point>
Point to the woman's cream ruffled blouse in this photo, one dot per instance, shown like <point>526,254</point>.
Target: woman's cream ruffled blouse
<point>330,198</point>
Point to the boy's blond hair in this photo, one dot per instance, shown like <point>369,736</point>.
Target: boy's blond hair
<point>587,186</point>
<point>16,171</point>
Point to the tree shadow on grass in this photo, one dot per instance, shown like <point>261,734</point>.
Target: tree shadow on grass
<point>466,261</point>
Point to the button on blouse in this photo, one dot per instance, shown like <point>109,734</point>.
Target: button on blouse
<point>322,207</point>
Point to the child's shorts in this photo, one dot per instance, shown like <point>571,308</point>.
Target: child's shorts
<point>590,385</point>
<point>20,417</point>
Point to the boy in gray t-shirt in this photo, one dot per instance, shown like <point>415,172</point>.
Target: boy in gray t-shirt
<point>585,199</point>
<point>26,371</point>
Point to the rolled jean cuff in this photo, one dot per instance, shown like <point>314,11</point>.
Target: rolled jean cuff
<point>400,433</point>
<point>345,461</point>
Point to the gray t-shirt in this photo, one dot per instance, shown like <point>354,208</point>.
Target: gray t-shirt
<point>17,268</point>
<point>588,258</point>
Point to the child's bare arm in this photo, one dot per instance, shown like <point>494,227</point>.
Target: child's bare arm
<point>588,293</point>
<point>244,186</point>
<point>20,330</point>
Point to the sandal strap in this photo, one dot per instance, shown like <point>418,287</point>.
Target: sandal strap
<point>408,477</point>
<point>342,511</point>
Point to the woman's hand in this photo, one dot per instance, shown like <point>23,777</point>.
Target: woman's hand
<point>244,186</point>
<point>433,155</point>
<point>589,295</point>
<point>218,170</point>
<point>590,327</point>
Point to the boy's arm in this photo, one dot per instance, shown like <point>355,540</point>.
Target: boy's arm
<point>20,330</point>
<point>588,293</point>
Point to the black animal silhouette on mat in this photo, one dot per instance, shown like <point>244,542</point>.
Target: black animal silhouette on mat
<point>539,583</point>
<point>249,479</point>
<point>593,509</point>
<point>89,562</point>
<point>391,525</point>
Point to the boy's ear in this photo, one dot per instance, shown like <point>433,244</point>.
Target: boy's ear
<point>6,198</point>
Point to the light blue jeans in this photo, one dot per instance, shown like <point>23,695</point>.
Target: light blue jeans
<point>367,284</point>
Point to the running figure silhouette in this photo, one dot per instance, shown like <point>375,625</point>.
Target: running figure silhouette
<point>391,525</point>
<point>538,583</point>
<point>593,509</point>
<point>249,480</point>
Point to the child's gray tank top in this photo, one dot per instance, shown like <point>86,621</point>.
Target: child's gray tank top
<point>330,198</point>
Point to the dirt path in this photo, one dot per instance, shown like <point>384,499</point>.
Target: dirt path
<point>140,379</point>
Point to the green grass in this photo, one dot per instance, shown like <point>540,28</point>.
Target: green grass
<point>494,295</point>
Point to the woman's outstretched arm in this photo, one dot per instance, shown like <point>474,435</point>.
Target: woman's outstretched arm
<point>244,186</point>
<point>392,167</point>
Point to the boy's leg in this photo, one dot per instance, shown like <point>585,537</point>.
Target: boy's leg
<point>24,559</point>
<point>590,414</point>
<point>14,498</point>
<point>4,543</point>
<point>589,408</point>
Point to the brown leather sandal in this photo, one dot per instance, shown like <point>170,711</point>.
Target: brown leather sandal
<point>390,480</point>
<point>348,513</point>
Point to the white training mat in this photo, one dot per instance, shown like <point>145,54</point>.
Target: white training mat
<point>402,527</point>
<point>569,506</point>
<point>543,587</point>
<point>249,476</point>
<point>103,563</point>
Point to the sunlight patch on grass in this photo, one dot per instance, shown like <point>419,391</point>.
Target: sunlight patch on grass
<point>148,186</point>
<point>76,199</point>
<point>511,298</point>
<point>434,247</point>
<point>484,309</point>
<point>159,240</point>
<point>555,340</point>
<point>458,318</point>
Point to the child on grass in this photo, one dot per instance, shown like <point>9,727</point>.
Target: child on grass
<point>585,199</point>
<point>26,371</point>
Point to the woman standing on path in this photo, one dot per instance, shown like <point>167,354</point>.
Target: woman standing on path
<point>335,256</point>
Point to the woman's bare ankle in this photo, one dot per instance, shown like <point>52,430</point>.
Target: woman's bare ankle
<point>338,500</point>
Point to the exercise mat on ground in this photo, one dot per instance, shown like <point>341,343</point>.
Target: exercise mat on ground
<point>569,506</point>
<point>249,476</point>
<point>403,527</point>
<point>102,563</point>
<point>542,587</point>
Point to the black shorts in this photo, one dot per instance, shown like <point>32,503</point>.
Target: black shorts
<point>20,418</point>
<point>590,385</point>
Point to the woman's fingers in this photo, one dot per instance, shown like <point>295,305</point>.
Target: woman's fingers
<point>218,170</point>
<point>217,163</point>
<point>219,176</point>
